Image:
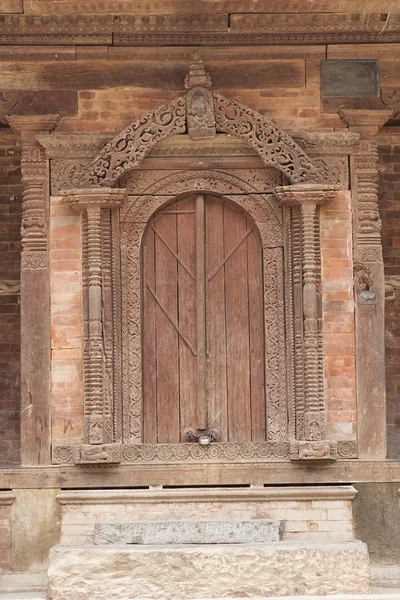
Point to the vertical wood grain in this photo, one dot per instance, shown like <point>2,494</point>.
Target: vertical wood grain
<point>237,327</point>
<point>256,338</point>
<point>150,349</point>
<point>216,332</point>
<point>186,222</point>
<point>167,337</point>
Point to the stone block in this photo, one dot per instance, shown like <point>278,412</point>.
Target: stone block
<point>212,571</point>
<point>189,532</point>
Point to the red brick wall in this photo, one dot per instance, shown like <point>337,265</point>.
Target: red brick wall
<point>10,222</point>
<point>389,196</point>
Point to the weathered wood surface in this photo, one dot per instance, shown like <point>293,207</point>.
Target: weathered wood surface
<point>187,310</point>
<point>352,471</point>
<point>94,74</point>
<point>11,6</point>
<point>40,7</point>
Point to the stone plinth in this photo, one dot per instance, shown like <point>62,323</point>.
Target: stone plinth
<point>189,532</point>
<point>207,571</point>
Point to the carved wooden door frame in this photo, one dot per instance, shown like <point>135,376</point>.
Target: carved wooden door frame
<point>299,394</point>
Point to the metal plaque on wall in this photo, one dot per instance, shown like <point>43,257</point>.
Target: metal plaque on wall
<point>349,78</point>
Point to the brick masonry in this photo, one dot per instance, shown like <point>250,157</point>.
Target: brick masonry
<point>318,519</point>
<point>10,223</point>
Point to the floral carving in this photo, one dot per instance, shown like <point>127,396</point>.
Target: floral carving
<point>128,148</point>
<point>68,174</point>
<point>34,260</point>
<point>276,148</point>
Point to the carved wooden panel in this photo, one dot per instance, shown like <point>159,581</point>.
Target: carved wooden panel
<point>256,453</point>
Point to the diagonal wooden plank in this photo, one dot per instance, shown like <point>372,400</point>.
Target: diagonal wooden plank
<point>171,319</point>
<point>167,245</point>
<point>227,257</point>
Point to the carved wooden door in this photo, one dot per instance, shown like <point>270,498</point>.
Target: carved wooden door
<point>203,353</point>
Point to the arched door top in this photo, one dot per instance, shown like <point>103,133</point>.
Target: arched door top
<point>201,114</point>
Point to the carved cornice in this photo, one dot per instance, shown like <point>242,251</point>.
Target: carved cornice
<point>73,145</point>
<point>6,498</point>
<point>305,193</point>
<point>207,28</point>
<point>365,122</point>
<point>253,494</point>
<point>82,199</point>
<point>304,22</point>
<point>34,123</point>
<point>337,143</point>
<point>109,23</point>
<point>253,39</point>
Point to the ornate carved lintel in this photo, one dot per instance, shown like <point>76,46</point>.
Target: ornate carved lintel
<point>313,450</point>
<point>192,454</point>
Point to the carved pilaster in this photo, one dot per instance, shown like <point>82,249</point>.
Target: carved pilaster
<point>99,419</point>
<point>35,290</point>
<point>311,403</point>
<point>369,283</point>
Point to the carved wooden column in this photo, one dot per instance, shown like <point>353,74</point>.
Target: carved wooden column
<point>308,197</point>
<point>98,407</point>
<point>369,284</point>
<point>35,290</point>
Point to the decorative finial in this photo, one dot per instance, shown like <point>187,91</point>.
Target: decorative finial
<point>197,75</point>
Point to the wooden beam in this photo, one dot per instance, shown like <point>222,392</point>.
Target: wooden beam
<point>276,473</point>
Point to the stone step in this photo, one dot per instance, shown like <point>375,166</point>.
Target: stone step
<point>208,571</point>
<point>189,532</point>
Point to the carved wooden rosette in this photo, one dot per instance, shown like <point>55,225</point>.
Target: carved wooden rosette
<point>310,410</point>
<point>35,290</point>
<point>96,206</point>
<point>369,283</point>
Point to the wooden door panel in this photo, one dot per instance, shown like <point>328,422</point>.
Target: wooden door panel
<point>256,338</point>
<point>216,334</point>
<point>149,343</point>
<point>167,342</point>
<point>233,308</point>
<point>186,222</point>
<point>237,327</point>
